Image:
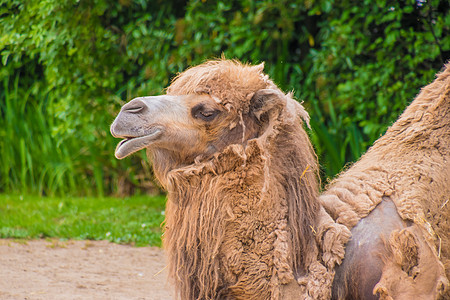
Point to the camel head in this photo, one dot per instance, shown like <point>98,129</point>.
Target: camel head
<point>175,123</point>
<point>205,109</point>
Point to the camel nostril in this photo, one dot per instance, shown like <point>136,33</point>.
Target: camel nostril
<point>134,110</point>
<point>134,106</point>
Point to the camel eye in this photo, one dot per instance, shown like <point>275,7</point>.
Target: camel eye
<point>203,113</point>
<point>206,114</point>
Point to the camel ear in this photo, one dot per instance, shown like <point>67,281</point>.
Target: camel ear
<point>271,103</point>
<point>267,102</point>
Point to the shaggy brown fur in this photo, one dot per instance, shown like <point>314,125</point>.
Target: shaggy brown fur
<point>241,223</point>
<point>242,215</point>
<point>410,165</point>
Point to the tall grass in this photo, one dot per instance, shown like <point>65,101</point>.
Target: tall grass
<point>337,143</point>
<point>31,159</point>
<point>43,153</point>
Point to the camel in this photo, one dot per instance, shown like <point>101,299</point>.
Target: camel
<point>244,219</point>
<point>399,191</point>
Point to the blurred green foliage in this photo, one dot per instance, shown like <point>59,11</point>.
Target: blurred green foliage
<point>68,66</point>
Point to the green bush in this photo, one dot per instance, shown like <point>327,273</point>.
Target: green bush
<point>373,60</point>
<point>68,66</point>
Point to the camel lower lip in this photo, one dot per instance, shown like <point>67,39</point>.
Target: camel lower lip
<point>129,146</point>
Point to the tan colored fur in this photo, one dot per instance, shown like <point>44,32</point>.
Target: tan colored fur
<point>230,82</point>
<point>411,165</point>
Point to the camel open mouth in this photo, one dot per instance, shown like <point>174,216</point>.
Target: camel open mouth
<point>130,145</point>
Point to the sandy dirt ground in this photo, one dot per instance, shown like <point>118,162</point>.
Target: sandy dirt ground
<point>81,270</point>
